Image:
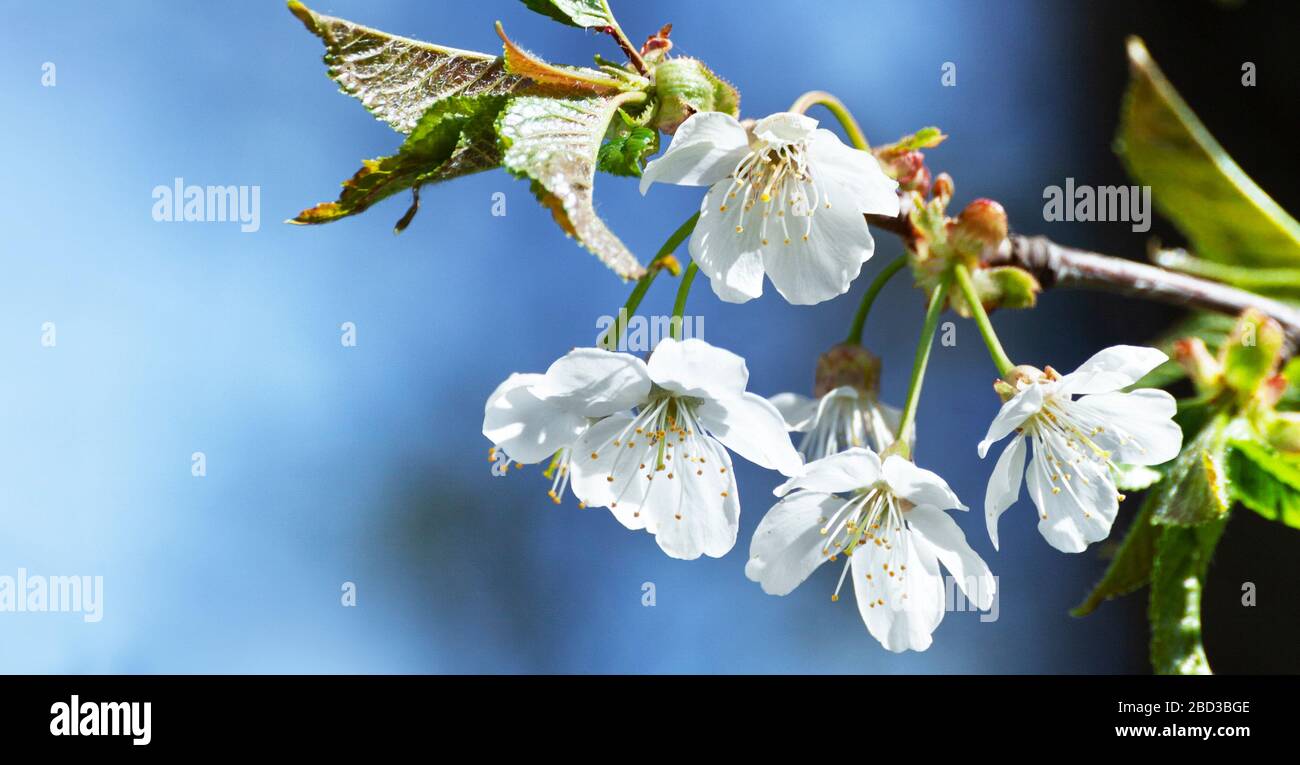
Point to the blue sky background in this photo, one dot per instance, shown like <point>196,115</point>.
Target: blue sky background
<point>329,464</point>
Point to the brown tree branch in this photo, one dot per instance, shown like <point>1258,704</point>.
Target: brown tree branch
<point>1055,265</point>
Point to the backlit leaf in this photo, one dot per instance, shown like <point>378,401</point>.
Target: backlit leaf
<point>1221,211</point>
<point>454,138</point>
<point>1266,480</point>
<point>575,13</point>
<point>576,80</point>
<point>554,142</point>
<point>398,79</point>
<point>1131,567</point>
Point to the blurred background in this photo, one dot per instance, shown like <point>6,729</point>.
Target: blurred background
<point>328,464</point>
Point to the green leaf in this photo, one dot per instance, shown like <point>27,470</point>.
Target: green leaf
<point>575,13</point>
<point>398,79</point>
<point>1182,557</point>
<point>1265,480</point>
<point>1221,211</point>
<point>455,137</point>
<point>1196,490</point>
<point>555,143</point>
<point>1131,567</point>
<point>1282,283</point>
<point>625,152</point>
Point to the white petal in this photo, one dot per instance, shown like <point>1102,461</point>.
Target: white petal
<point>918,485</point>
<point>1111,369</point>
<point>785,128</point>
<point>527,428</point>
<point>937,529</point>
<point>691,510</point>
<point>787,546</point>
<point>595,382</point>
<point>729,258</point>
<point>692,367</point>
<point>1013,414</point>
<point>1004,485</point>
<point>799,412</point>
<point>823,267</point>
<point>899,611</point>
<point>1081,512</point>
<point>1138,426</point>
<point>857,171</point>
<point>705,149</point>
<point>752,427</point>
<point>590,476</point>
<point>689,514</point>
<point>837,395</point>
<point>846,471</point>
<point>891,417</point>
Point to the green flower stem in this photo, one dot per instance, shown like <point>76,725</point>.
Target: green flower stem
<point>882,278</point>
<point>679,308</point>
<point>614,334</point>
<point>906,424</point>
<point>972,297</point>
<point>837,108</point>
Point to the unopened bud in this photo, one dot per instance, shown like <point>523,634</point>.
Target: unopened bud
<point>983,222</point>
<point>847,364</point>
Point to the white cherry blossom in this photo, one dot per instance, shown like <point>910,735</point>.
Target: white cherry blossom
<point>786,199</point>
<point>1079,442</point>
<point>841,419</point>
<point>649,440</point>
<point>888,519</point>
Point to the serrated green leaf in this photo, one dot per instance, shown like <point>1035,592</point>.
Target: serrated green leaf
<point>454,138</point>
<point>1221,211</point>
<point>626,150</point>
<point>1196,490</point>
<point>399,79</point>
<point>554,142</point>
<point>1131,567</point>
<point>1265,480</point>
<point>1182,557</point>
<point>575,13</point>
